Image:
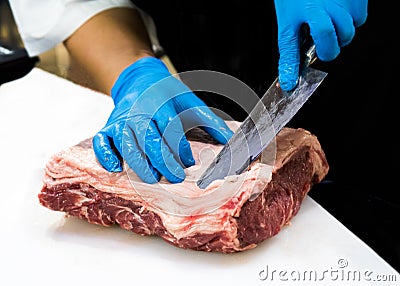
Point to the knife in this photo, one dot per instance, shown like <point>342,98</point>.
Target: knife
<point>268,117</point>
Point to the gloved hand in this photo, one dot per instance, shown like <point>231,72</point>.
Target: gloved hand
<point>145,128</point>
<point>332,25</point>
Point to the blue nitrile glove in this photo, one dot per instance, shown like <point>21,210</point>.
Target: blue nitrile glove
<point>332,25</point>
<point>145,128</point>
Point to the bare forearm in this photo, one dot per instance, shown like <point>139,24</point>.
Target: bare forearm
<point>108,43</point>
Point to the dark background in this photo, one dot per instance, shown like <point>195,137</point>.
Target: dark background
<point>353,113</point>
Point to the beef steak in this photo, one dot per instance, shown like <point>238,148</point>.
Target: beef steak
<point>259,202</point>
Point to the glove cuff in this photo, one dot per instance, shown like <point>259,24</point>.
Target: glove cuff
<point>136,73</point>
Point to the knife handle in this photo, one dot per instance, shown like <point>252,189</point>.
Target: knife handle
<point>307,49</point>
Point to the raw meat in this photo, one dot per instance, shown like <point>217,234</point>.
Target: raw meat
<point>231,215</point>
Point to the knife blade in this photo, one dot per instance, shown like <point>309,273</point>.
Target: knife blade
<point>268,117</point>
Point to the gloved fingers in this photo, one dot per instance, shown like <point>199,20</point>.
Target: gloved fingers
<point>323,33</point>
<point>289,59</point>
<point>219,132</point>
<point>116,132</point>
<point>171,129</point>
<point>136,159</point>
<point>185,152</point>
<point>195,113</point>
<point>150,141</point>
<point>359,12</point>
<point>104,152</point>
<point>205,118</point>
<point>343,23</point>
<point>158,103</point>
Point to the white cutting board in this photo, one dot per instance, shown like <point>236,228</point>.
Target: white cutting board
<point>41,114</point>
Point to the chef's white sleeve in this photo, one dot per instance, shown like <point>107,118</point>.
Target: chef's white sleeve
<point>42,24</point>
